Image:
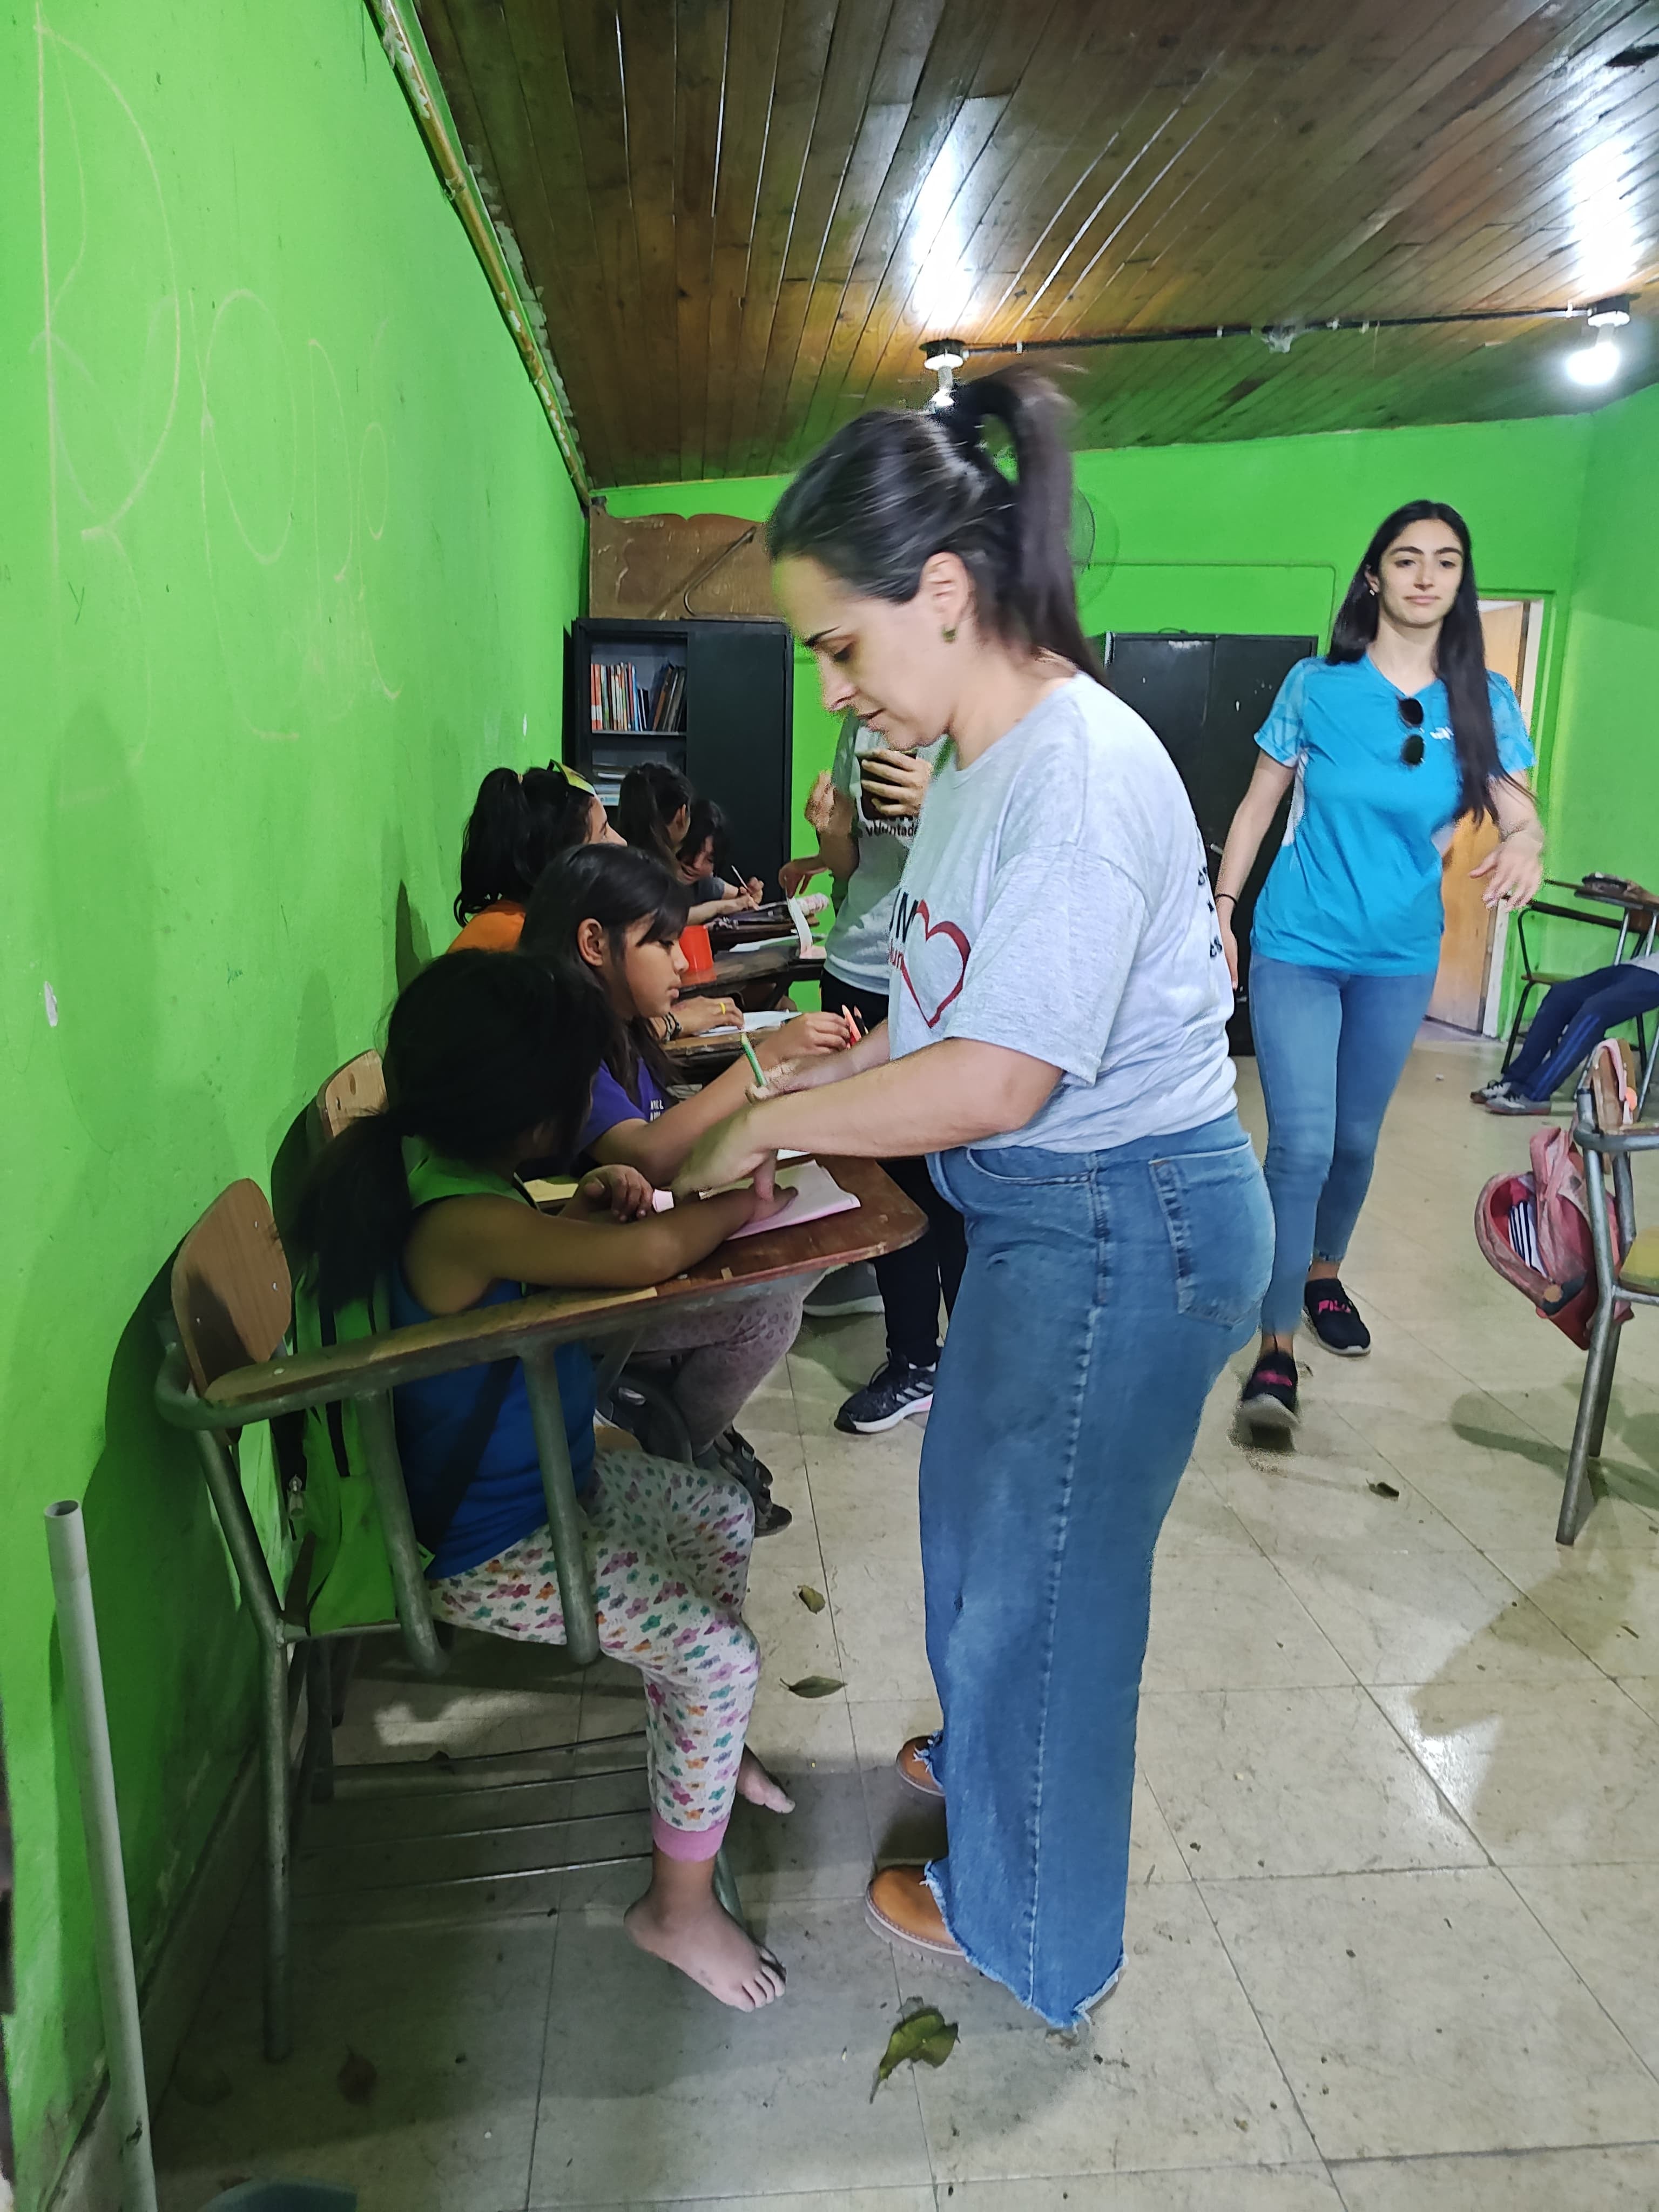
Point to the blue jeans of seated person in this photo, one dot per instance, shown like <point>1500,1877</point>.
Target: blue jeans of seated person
<point>1330,1048</point>
<point>1573,1019</point>
<point>1103,1293</point>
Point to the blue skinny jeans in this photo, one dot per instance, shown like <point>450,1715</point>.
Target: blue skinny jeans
<point>1573,1019</point>
<point>1102,1294</point>
<point>1330,1048</point>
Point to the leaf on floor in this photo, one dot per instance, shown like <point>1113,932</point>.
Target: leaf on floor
<point>927,2035</point>
<point>357,2080</point>
<point>1381,1490</point>
<point>814,1600</point>
<point>815,1685</point>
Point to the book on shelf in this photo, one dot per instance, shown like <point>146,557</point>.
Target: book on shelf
<point>622,705</point>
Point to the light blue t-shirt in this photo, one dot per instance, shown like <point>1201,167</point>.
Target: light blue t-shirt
<point>1356,885</point>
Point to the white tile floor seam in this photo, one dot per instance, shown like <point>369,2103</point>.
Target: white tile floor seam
<point>1395,1858</point>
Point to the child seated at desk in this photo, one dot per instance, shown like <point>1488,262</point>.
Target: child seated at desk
<point>703,850</point>
<point>489,1063</point>
<point>654,812</point>
<point>1568,1026</point>
<point>518,824</point>
<point>605,921</point>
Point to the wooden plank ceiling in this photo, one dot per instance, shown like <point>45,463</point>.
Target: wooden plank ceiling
<point>744,216</point>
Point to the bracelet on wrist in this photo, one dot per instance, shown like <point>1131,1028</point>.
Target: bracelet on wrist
<point>1231,898</point>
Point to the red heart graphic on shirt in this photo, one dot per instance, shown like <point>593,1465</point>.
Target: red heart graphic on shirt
<point>932,928</point>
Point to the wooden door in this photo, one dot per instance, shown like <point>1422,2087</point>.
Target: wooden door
<point>1465,949</point>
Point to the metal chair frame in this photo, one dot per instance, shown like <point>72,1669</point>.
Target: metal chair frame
<point>293,1659</point>
<point>1603,1148</point>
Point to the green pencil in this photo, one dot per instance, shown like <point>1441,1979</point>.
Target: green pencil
<point>750,1055</point>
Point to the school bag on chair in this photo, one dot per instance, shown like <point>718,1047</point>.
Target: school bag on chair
<point>1534,1229</point>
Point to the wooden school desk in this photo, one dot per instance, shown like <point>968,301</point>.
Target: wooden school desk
<point>231,1302</point>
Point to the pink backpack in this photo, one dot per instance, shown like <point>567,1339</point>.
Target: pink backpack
<point>1535,1230</point>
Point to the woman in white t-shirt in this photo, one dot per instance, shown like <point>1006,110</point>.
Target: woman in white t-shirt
<point>1056,1045</point>
<point>865,808</point>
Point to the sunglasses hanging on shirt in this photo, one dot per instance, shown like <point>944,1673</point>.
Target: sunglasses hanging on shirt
<point>1411,713</point>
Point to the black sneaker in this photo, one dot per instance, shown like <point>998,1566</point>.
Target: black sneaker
<point>736,1456</point>
<point>892,1393</point>
<point>1499,1087</point>
<point>1268,1402</point>
<point>1335,1318</point>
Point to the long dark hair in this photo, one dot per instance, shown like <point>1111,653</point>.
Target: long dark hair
<point>892,489</point>
<point>708,826</point>
<point>482,1049</point>
<point>651,796</point>
<point>616,886</point>
<point>518,824</point>
<point>1460,657</point>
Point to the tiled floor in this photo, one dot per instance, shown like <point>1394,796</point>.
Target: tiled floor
<point>1396,1903</point>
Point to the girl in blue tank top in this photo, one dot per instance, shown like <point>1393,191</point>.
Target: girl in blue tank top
<point>489,1062</point>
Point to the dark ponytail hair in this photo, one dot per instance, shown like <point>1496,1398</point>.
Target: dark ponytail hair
<point>1460,652</point>
<point>482,1049</point>
<point>892,489</point>
<point>651,796</point>
<point>616,886</point>
<point>518,824</point>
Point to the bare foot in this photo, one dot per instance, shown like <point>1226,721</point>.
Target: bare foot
<point>760,1788</point>
<point>706,1944</point>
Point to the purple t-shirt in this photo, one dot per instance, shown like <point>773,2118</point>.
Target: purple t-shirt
<point>611,1103</point>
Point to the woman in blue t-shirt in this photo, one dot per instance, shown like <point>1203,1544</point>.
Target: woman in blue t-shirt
<point>1385,743</point>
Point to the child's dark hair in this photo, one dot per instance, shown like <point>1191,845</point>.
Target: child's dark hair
<point>616,886</point>
<point>482,1049</point>
<point>651,796</point>
<point>708,826</point>
<point>518,824</point>
<point>1460,652</point>
<point>894,487</point>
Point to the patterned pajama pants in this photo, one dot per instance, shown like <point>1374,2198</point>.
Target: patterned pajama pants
<point>667,1549</point>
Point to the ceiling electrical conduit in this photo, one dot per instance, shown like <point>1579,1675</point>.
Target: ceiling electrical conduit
<point>406,50</point>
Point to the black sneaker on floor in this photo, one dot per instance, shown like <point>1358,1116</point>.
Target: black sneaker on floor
<point>892,1395</point>
<point>1499,1087</point>
<point>736,1456</point>
<point>1335,1318</point>
<point>1268,1402</point>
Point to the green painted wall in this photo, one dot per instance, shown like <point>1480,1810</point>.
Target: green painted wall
<point>286,555</point>
<point>1263,537</point>
<point>1605,810</point>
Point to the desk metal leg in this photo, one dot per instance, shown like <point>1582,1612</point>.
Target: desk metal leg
<point>566,1521</point>
<point>273,1745</point>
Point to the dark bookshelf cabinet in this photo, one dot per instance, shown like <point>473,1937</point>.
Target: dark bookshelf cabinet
<point>735,686</point>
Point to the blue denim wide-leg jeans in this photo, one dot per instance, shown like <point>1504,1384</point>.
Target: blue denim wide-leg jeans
<point>1103,1292</point>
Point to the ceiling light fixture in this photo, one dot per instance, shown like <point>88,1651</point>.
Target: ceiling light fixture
<point>1610,314</point>
<point>1595,364</point>
<point>945,356</point>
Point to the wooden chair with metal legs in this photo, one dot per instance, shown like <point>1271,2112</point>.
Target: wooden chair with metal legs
<point>1627,1275</point>
<point>225,1369</point>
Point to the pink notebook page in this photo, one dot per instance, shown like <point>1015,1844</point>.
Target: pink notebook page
<point>816,1195</point>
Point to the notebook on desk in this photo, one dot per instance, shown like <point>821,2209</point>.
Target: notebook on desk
<point>814,1196</point>
<point>551,1191</point>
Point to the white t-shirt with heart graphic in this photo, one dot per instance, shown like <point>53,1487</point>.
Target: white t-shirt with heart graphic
<point>1056,900</point>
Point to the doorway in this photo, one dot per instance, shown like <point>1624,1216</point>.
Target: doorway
<point>1471,972</point>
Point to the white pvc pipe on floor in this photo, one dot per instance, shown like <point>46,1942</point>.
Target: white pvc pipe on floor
<point>83,1681</point>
